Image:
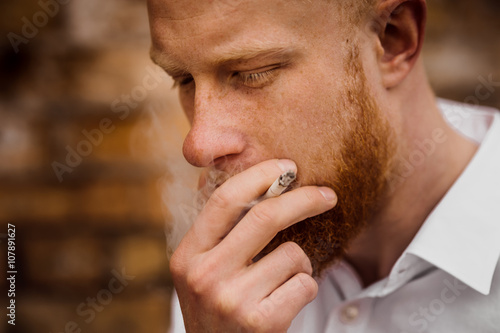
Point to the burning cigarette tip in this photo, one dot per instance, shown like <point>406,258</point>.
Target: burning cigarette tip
<point>280,185</point>
<point>287,178</point>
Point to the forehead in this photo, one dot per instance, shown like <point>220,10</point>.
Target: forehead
<point>185,9</point>
<point>193,28</point>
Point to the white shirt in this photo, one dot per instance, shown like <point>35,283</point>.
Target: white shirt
<point>448,278</point>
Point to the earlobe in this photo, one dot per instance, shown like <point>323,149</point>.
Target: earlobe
<point>401,37</point>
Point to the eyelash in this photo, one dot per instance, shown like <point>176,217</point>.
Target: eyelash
<point>258,79</point>
<point>252,80</point>
<point>183,81</point>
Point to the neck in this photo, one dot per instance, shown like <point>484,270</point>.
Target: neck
<point>432,158</point>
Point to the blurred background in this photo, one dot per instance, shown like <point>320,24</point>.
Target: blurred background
<point>88,128</point>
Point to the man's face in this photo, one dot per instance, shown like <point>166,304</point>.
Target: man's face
<point>279,79</point>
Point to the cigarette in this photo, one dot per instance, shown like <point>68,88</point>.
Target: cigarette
<point>280,185</point>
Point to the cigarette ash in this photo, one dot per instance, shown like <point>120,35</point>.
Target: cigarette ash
<point>287,178</point>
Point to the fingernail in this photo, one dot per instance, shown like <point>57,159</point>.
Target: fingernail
<point>328,194</point>
<point>287,165</point>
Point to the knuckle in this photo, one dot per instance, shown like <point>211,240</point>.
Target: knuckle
<point>226,301</point>
<point>297,256</point>
<point>221,198</point>
<point>197,281</point>
<point>194,283</point>
<point>309,195</point>
<point>254,320</point>
<point>312,195</point>
<point>261,215</point>
<point>306,285</point>
<point>177,265</point>
<point>264,170</point>
<point>263,320</point>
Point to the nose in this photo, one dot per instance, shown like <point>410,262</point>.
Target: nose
<point>215,133</point>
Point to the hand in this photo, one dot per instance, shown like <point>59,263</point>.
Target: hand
<point>220,288</point>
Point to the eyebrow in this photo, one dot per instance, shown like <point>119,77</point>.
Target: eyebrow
<point>161,59</point>
<point>243,54</point>
<point>230,56</point>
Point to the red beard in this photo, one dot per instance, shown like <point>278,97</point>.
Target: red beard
<point>360,179</point>
<point>357,170</point>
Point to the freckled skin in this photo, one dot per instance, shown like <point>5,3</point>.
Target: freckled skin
<point>342,102</point>
<point>235,127</point>
<point>247,111</point>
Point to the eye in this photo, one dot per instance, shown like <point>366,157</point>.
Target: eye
<point>182,81</point>
<point>258,78</point>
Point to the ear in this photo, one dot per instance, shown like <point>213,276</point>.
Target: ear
<point>401,33</point>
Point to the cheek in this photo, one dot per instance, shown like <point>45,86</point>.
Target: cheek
<point>299,122</point>
<point>319,123</point>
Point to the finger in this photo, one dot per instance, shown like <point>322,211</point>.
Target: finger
<point>266,219</point>
<point>280,265</point>
<point>285,303</point>
<point>227,202</point>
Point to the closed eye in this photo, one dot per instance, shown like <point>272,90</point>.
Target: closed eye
<point>258,78</point>
<point>182,81</point>
<point>253,79</point>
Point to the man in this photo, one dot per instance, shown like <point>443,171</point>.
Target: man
<point>393,224</point>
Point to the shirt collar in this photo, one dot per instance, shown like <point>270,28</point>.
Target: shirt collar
<point>462,234</point>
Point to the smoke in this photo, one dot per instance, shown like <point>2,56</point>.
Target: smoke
<point>157,141</point>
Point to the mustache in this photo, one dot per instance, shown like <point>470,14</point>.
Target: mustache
<point>212,178</point>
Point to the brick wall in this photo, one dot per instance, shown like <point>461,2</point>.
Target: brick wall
<point>77,177</point>
<point>80,164</point>
<point>462,47</point>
